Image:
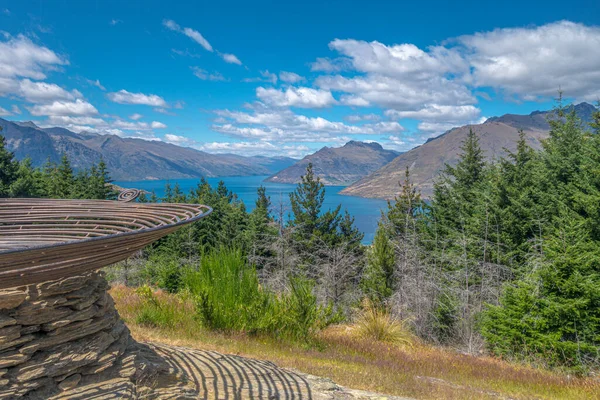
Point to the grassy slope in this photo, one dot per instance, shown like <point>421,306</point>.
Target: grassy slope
<point>422,372</point>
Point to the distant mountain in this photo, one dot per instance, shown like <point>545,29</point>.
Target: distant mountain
<point>428,160</point>
<point>128,158</point>
<point>339,165</point>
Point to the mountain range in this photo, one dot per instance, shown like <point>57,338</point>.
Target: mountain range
<point>426,161</point>
<point>339,165</point>
<point>130,159</point>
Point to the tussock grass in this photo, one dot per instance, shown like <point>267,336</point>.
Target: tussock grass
<point>378,324</point>
<point>418,371</point>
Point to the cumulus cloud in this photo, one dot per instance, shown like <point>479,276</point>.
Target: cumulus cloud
<point>296,97</point>
<point>157,125</point>
<point>290,77</point>
<point>125,97</point>
<point>279,125</point>
<point>42,92</point>
<point>136,116</point>
<point>434,112</point>
<point>178,140</point>
<point>64,108</point>
<point>536,61</point>
<point>362,117</point>
<point>20,57</point>
<point>231,58</point>
<point>255,148</point>
<point>265,76</point>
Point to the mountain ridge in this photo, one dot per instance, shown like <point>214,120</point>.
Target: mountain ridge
<point>338,165</point>
<point>427,160</point>
<point>130,159</point>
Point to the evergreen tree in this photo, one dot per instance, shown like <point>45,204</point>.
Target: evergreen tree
<point>378,276</point>
<point>8,168</point>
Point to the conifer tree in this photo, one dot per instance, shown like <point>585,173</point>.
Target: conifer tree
<point>8,168</point>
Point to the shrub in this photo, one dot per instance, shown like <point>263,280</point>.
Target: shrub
<point>378,324</point>
<point>229,297</point>
<point>158,313</point>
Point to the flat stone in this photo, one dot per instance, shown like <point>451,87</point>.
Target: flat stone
<point>66,285</point>
<point>30,329</point>
<point>12,358</point>
<point>10,333</point>
<point>85,291</point>
<point>17,342</point>
<point>81,315</point>
<point>63,358</point>
<point>69,383</point>
<point>50,341</point>
<point>39,312</point>
<point>85,303</point>
<point>3,372</point>
<point>11,298</point>
<point>5,320</point>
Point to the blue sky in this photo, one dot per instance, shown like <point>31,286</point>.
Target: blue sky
<point>283,78</point>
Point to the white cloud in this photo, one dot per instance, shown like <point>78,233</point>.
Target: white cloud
<point>15,109</point>
<point>330,65</point>
<point>157,125</point>
<point>178,140</point>
<point>296,97</point>
<point>254,148</point>
<point>64,108</point>
<point>20,57</point>
<point>67,121</point>
<point>4,112</point>
<point>290,77</point>
<point>42,92</point>
<point>114,22</point>
<point>285,126</point>
<point>206,76</point>
<point>362,117</point>
<point>96,83</point>
<point>231,59</point>
<point>434,112</point>
<point>536,61</point>
<point>265,76</point>
<point>136,116</point>
<point>125,97</point>
<point>189,32</point>
<point>198,38</point>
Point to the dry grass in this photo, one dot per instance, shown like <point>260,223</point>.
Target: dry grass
<point>377,324</point>
<point>419,371</point>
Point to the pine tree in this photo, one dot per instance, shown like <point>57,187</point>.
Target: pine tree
<point>8,168</point>
<point>378,276</point>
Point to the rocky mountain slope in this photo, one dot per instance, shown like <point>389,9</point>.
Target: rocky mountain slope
<point>339,165</point>
<point>426,161</point>
<point>129,158</point>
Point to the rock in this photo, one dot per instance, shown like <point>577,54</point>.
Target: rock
<point>41,311</point>
<point>70,335</point>
<point>12,358</point>
<point>3,371</point>
<point>69,383</point>
<point>63,358</point>
<point>5,320</point>
<point>82,315</point>
<point>30,329</point>
<point>66,285</point>
<point>11,298</point>
<point>9,334</point>
<point>17,342</point>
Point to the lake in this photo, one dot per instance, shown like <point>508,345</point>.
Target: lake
<point>365,211</point>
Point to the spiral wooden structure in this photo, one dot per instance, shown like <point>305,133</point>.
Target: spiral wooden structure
<point>43,239</point>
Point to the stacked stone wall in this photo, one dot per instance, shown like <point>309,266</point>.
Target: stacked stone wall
<point>57,334</point>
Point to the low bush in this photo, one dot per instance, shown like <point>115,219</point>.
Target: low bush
<point>378,324</point>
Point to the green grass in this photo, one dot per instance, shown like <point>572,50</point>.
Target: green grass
<point>418,371</point>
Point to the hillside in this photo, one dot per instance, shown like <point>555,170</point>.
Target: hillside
<point>339,165</point>
<point>426,161</point>
<point>129,158</point>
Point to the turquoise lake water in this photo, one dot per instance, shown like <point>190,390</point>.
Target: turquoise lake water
<point>365,211</point>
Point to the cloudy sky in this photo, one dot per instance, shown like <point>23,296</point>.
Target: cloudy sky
<point>283,78</point>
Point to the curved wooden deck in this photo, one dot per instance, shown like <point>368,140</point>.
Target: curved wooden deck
<point>44,239</point>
